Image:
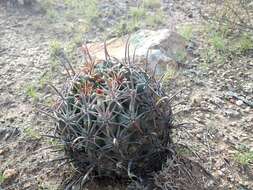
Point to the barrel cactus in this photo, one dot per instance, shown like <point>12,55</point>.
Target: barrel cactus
<point>113,119</point>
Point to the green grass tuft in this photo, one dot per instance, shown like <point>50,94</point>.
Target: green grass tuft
<point>54,48</point>
<point>169,76</point>
<point>32,92</point>
<point>181,56</point>
<point>152,3</point>
<point>245,43</point>
<point>31,133</point>
<point>157,19</point>
<point>137,13</point>
<point>2,177</point>
<point>244,158</point>
<point>217,41</point>
<point>121,28</point>
<point>186,31</point>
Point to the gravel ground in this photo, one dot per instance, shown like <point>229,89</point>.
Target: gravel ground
<point>216,99</point>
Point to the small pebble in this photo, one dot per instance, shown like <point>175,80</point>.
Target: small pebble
<point>239,102</point>
<point>9,174</point>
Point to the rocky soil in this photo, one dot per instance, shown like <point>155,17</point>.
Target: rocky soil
<point>216,102</point>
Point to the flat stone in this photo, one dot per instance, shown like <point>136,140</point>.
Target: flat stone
<point>165,49</point>
<point>232,113</point>
<point>3,151</point>
<point>239,102</point>
<point>9,174</point>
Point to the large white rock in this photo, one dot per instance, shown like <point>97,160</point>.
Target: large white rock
<point>166,49</point>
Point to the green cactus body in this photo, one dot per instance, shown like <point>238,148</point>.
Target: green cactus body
<point>110,120</point>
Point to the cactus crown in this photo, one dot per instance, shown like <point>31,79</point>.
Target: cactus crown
<point>113,119</point>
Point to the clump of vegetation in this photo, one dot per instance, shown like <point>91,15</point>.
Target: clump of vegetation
<point>31,133</point>
<point>156,19</point>
<point>217,41</point>
<point>113,120</point>
<point>31,92</point>
<point>121,28</point>
<point>231,15</point>
<point>228,31</point>
<point>55,48</point>
<point>169,75</point>
<point>221,47</point>
<point>186,31</point>
<point>47,76</point>
<point>244,44</point>
<point>180,56</point>
<point>244,156</point>
<point>152,3</point>
<point>85,10</point>
<point>2,177</point>
<point>142,17</point>
<point>137,13</point>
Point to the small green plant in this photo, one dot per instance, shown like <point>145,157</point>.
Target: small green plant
<point>91,10</point>
<point>137,13</point>
<point>186,31</point>
<point>225,30</point>
<point>207,56</point>
<point>48,101</point>
<point>221,59</point>
<point>54,63</point>
<point>52,15</point>
<point>217,41</point>
<point>181,56</point>
<point>140,18</point>
<point>2,177</point>
<point>78,39</point>
<point>75,42</point>
<point>32,92</point>
<point>55,48</point>
<point>244,158</point>
<point>157,19</point>
<point>86,9</point>
<point>53,142</point>
<point>184,151</point>
<point>169,75</point>
<point>31,133</point>
<point>245,43</point>
<point>44,79</point>
<point>217,49</point>
<point>47,4</point>
<point>121,28</point>
<point>152,3</point>
<point>212,56</point>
